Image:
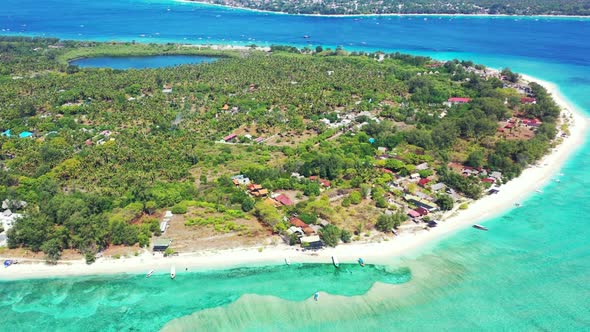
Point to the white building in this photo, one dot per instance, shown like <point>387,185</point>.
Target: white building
<point>7,219</point>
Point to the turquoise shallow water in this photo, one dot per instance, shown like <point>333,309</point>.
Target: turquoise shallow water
<point>530,272</point>
<point>132,302</point>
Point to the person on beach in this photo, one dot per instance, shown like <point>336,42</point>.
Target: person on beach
<point>316,296</point>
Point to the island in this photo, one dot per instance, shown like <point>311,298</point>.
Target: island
<point>404,7</point>
<point>263,149</point>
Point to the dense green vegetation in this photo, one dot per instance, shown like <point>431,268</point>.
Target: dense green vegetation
<point>111,148</point>
<point>343,7</point>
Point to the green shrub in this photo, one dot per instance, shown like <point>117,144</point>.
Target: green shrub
<point>90,258</point>
<point>179,209</point>
<point>293,239</point>
<point>346,202</point>
<point>355,197</point>
<point>330,235</point>
<point>308,218</point>
<point>144,240</point>
<point>386,222</point>
<point>248,204</point>
<point>345,236</point>
<point>235,213</point>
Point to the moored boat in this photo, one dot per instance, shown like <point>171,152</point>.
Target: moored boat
<point>172,272</point>
<point>149,274</point>
<point>335,261</point>
<point>361,262</point>
<point>287,261</point>
<point>483,228</point>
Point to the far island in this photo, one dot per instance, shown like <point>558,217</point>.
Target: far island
<point>374,7</point>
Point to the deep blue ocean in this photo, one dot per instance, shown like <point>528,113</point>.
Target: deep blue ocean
<point>531,272</point>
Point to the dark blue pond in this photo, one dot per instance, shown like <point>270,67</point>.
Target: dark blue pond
<point>141,62</point>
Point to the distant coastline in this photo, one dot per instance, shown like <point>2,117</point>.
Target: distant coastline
<point>205,3</point>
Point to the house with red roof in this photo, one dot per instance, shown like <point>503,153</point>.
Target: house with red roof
<point>528,100</point>
<point>489,180</point>
<point>324,183</point>
<point>532,122</point>
<point>298,222</point>
<point>423,182</point>
<point>254,187</point>
<point>260,193</point>
<point>422,211</point>
<point>284,200</point>
<point>256,190</point>
<point>413,214</point>
<point>272,202</point>
<point>388,171</point>
<point>308,231</point>
<point>230,137</point>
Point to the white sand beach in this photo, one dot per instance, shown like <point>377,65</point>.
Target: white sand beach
<point>384,252</point>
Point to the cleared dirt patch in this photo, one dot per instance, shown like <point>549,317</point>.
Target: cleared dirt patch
<point>249,232</point>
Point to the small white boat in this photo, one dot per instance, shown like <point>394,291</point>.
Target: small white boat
<point>287,261</point>
<point>539,191</point>
<point>335,261</point>
<point>394,231</point>
<point>149,274</point>
<point>480,227</point>
<point>172,272</point>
